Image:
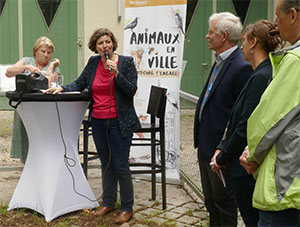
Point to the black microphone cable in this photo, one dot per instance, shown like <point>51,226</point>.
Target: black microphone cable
<point>106,55</point>
<point>67,159</point>
<point>69,162</point>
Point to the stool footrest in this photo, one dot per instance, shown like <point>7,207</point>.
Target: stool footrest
<point>154,169</point>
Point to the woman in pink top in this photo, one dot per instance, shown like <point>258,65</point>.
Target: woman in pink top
<point>112,82</point>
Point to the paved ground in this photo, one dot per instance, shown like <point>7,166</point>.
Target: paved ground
<point>183,205</point>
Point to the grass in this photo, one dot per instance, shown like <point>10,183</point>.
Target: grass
<point>4,103</point>
<point>27,217</point>
<point>185,104</point>
<point>189,212</point>
<point>6,127</point>
<point>170,223</point>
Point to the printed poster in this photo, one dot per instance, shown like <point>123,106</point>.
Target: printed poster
<point>154,34</point>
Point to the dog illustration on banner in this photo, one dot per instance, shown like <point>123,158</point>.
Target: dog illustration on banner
<point>137,56</point>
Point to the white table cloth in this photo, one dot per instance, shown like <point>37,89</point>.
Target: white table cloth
<point>46,183</point>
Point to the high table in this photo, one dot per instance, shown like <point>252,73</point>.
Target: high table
<point>52,182</point>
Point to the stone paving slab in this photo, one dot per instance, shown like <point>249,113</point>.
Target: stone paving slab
<point>179,201</point>
<point>182,202</point>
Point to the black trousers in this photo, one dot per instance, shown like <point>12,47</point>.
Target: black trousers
<point>219,200</point>
<point>243,188</point>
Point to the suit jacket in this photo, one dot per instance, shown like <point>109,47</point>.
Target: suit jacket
<point>125,88</point>
<point>215,114</point>
<point>236,136</point>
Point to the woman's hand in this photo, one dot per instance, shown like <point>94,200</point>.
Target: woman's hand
<point>20,67</point>
<point>53,90</point>
<point>55,62</point>
<point>213,162</point>
<point>250,167</point>
<point>32,69</point>
<point>113,66</point>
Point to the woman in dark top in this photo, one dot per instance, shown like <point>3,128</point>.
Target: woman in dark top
<point>112,82</point>
<point>259,39</point>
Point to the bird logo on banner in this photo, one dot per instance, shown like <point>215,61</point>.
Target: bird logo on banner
<point>132,24</point>
<point>178,22</point>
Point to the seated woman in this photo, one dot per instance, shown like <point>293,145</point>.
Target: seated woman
<point>41,63</point>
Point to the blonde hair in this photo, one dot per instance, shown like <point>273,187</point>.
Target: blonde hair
<point>43,40</point>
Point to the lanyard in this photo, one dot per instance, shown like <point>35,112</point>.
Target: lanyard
<point>210,85</point>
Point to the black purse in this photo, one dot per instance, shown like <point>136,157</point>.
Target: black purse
<point>31,82</point>
<point>26,83</point>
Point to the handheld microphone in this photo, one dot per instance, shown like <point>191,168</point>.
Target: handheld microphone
<point>106,55</point>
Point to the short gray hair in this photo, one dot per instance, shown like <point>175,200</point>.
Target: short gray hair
<point>229,23</point>
<point>286,5</point>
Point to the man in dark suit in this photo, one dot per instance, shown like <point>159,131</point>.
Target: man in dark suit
<point>227,77</point>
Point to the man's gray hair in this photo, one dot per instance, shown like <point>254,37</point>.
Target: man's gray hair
<point>286,5</point>
<point>228,23</point>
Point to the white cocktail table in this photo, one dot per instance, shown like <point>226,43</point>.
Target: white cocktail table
<point>52,182</point>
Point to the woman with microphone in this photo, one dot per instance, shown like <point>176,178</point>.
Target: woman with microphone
<point>112,83</point>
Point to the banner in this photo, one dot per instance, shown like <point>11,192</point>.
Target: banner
<point>154,36</point>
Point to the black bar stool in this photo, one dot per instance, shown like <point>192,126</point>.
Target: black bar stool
<point>87,155</point>
<point>156,109</point>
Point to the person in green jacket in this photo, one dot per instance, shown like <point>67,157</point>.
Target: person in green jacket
<point>273,131</point>
<point>258,40</point>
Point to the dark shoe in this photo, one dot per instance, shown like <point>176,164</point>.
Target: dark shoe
<point>124,217</point>
<point>103,211</point>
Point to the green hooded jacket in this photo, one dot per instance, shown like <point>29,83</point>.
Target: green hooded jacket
<point>273,135</point>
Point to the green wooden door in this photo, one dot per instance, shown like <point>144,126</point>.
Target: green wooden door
<point>257,9</point>
<point>196,51</point>
<point>62,30</point>
<point>9,32</point>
